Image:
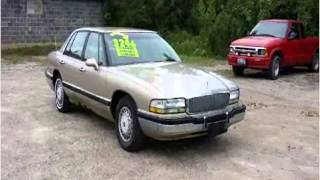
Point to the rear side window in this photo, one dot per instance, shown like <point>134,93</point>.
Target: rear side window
<point>77,45</point>
<point>70,43</point>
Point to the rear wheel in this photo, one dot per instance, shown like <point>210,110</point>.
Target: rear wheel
<point>61,99</point>
<point>237,70</point>
<point>274,69</point>
<point>128,130</point>
<point>314,66</point>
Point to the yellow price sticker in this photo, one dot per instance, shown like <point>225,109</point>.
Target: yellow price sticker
<point>124,46</point>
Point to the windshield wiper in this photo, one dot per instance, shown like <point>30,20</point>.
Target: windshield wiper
<point>168,58</point>
<point>269,35</point>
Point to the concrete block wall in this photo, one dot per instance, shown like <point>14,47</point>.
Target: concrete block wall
<point>27,21</point>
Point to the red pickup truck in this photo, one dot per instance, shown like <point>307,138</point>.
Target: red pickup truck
<point>273,44</point>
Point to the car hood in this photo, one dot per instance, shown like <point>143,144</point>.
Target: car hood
<point>256,41</point>
<point>173,80</point>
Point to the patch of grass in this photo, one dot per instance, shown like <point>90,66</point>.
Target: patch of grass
<point>17,59</point>
<point>202,61</point>
<point>28,50</point>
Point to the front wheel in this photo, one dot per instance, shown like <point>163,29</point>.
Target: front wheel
<point>61,100</point>
<point>274,69</point>
<point>314,66</point>
<point>128,130</point>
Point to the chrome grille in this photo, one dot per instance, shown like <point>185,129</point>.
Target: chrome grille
<point>208,103</point>
<point>246,51</point>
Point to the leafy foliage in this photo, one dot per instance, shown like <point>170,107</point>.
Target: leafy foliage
<point>206,27</point>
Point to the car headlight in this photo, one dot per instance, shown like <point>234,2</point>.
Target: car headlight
<point>262,52</point>
<point>234,96</point>
<point>168,106</point>
<point>231,50</point>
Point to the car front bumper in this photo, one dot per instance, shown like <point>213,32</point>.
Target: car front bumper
<point>190,126</point>
<point>255,62</point>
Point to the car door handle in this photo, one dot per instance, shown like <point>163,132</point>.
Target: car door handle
<point>82,69</point>
<point>61,61</point>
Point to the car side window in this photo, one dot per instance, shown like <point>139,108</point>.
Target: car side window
<point>67,50</point>
<point>77,45</point>
<point>102,52</point>
<point>95,49</point>
<point>294,31</point>
<point>92,47</point>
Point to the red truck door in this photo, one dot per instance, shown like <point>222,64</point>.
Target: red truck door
<point>293,45</point>
<point>296,55</point>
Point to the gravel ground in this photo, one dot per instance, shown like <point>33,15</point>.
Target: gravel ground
<point>279,138</point>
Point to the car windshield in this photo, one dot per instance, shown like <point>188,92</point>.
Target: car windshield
<point>272,29</point>
<point>133,48</point>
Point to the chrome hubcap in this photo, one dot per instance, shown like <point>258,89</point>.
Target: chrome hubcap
<point>59,93</point>
<point>316,63</point>
<point>125,124</point>
<point>276,68</point>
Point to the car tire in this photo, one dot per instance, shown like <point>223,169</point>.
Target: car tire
<point>61,100</point>
<point>314,66</point>
<point>274,69</point>
<point>237,70</point>
<point>129,133</point>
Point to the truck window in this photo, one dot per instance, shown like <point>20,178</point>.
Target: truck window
<point>294,31</point>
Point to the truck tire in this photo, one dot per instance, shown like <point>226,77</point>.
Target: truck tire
<point>61,100</point>
<point>274,69</point>
<point>129,133</point>
<point>237,70</point>
<point>314,66</point>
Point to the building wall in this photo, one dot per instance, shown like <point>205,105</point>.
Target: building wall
<point>24,21</point>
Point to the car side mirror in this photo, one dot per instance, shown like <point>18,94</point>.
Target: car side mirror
<point>93,63</point>
<point>292,35</point>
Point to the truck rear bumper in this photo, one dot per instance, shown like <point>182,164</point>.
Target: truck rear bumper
<point>165,129</point>
<point>251,61</point>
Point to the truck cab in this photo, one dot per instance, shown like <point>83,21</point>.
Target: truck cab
<point>273,44</point>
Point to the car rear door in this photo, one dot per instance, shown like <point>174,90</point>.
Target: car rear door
<point>71,60</point>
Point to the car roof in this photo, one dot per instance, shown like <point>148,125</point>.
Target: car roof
<point>283,20</point>
<point>114,29</point>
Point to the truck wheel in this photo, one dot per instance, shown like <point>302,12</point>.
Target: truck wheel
<point>274,69</point>
<point>62,102</point>
<point>237,71</point>
<point>128,130</point>
<point>314,66</point>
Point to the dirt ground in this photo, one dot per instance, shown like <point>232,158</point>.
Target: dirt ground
<point>277,140</point>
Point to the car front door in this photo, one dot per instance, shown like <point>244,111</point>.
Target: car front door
<point>294,45</point>
<point>92,80</point>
